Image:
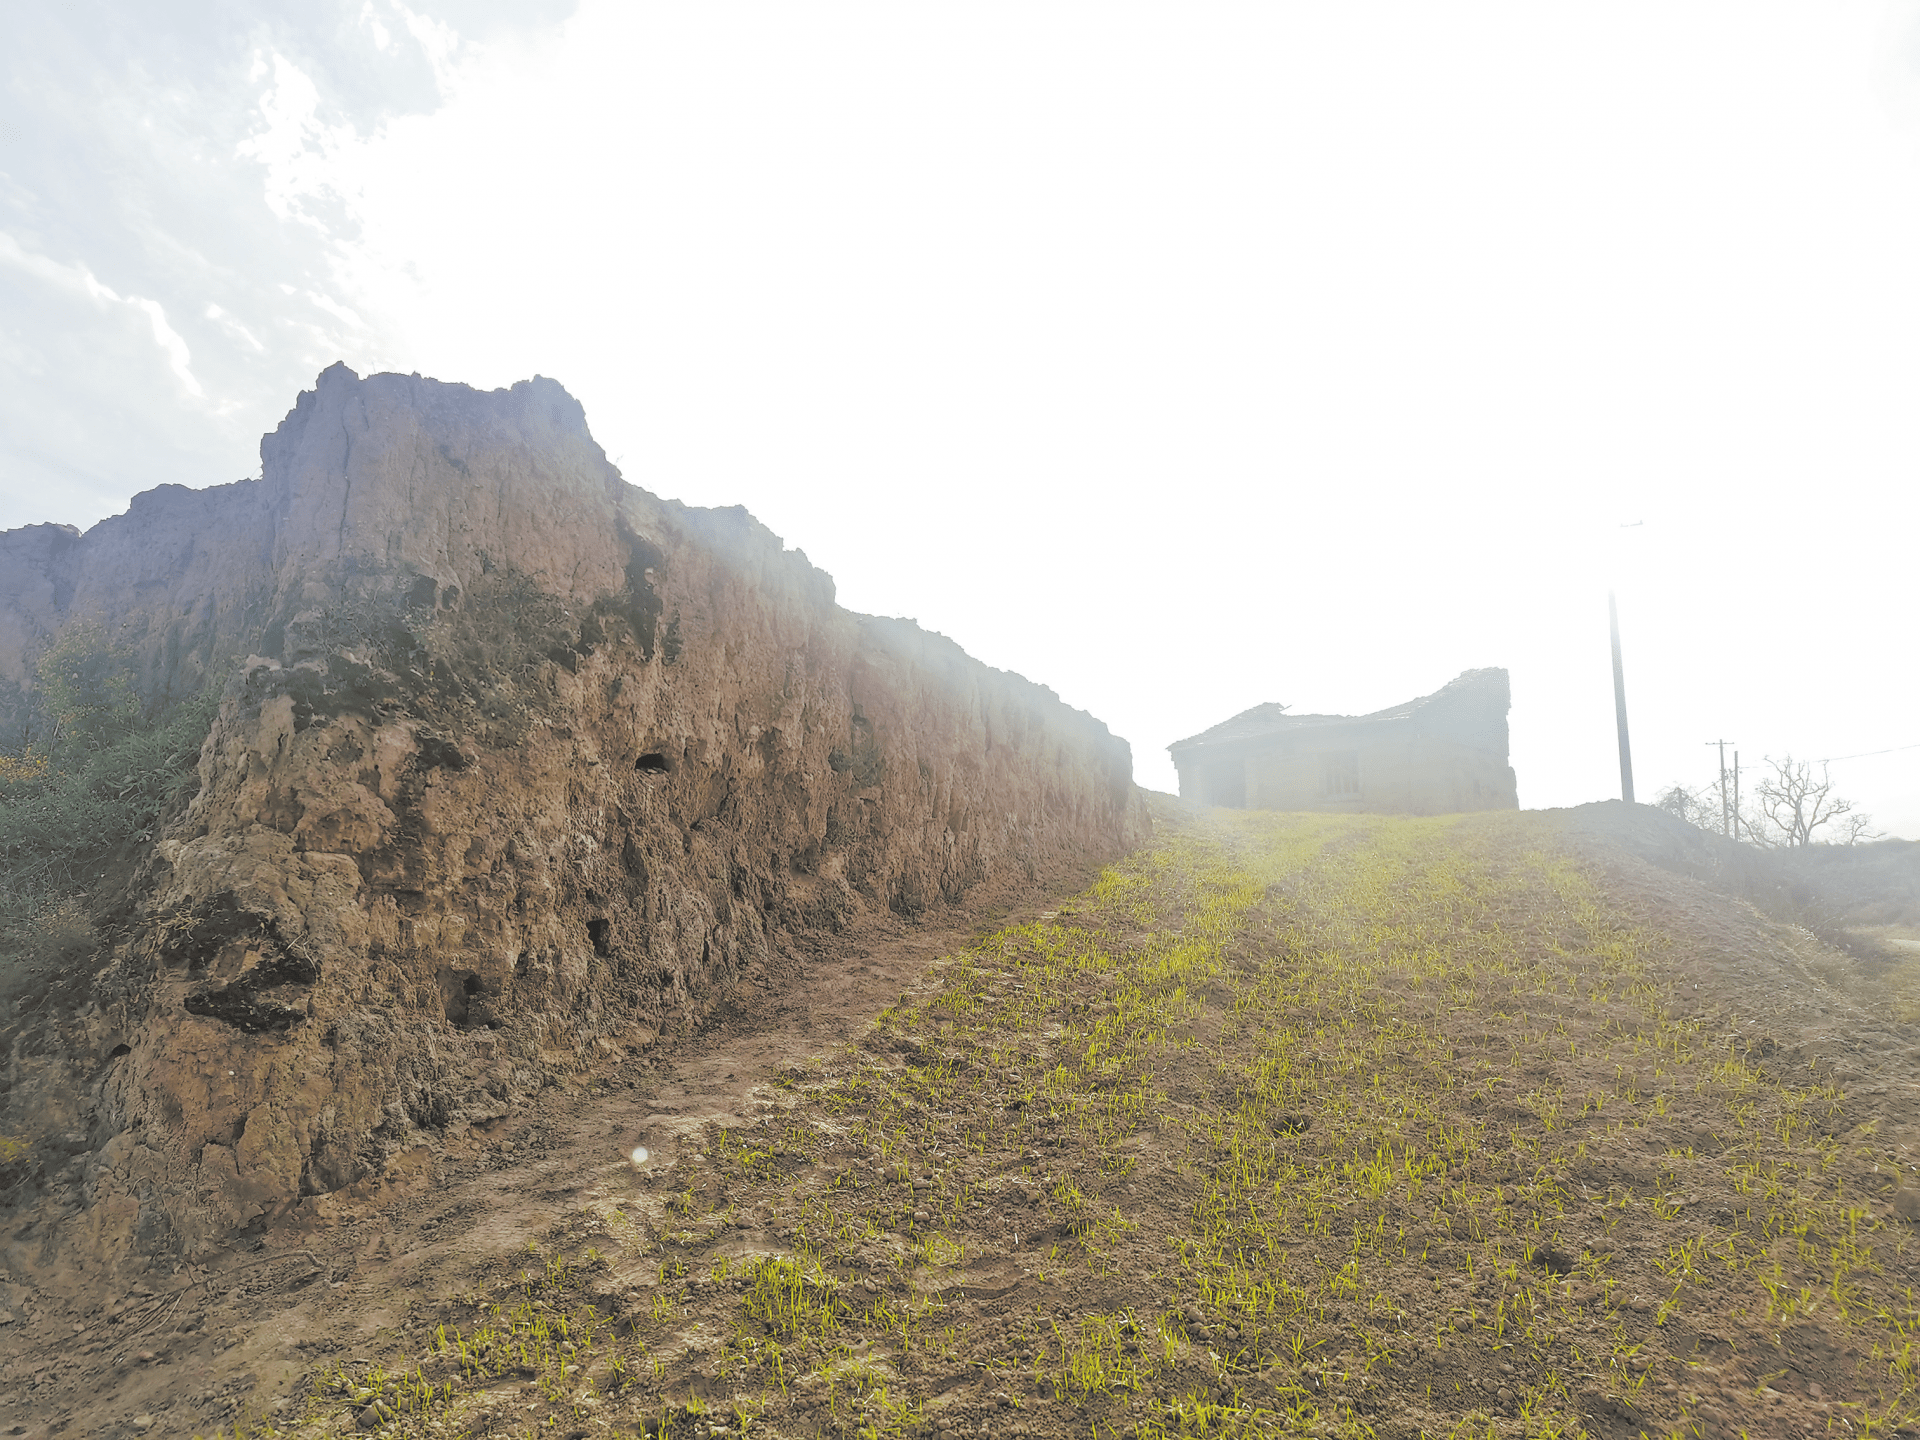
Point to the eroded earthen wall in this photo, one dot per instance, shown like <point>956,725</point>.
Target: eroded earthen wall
<point>517,766</point>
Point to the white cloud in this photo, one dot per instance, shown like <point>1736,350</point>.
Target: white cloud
<point>79,280</point>
<point>76,279</point>
<point>335,309</point>
<point>382,38</point>
<point>169,341</point>
<point>234,328</point>
<point>299,152</point>
<point>439,42</point>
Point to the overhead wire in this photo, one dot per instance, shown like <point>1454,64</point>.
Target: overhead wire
<point>1865,754</point>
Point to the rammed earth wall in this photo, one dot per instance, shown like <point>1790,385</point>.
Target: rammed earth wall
<point>517,765</point>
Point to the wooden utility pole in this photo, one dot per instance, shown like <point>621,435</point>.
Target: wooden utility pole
<point>1620,704</point>
<point>1728,813</point>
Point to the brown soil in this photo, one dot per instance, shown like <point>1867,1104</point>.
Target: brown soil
<point>1290,1125</point>
<point>194,1347</point>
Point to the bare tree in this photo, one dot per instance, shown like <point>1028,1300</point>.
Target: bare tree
<point>1699,808</point>
<point>1793,804</point>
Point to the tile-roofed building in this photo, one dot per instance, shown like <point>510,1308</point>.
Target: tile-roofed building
<point>1438,754</point>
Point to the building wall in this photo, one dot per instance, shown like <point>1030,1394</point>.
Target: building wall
<point>1217,780</point>
<point>1382,773</point>
<point>1437,755</point>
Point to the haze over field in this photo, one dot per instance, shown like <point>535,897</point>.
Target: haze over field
<point>1179,360</point>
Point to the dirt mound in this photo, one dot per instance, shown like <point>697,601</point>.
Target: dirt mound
<point>1876,884</point>
<point>517,769</point>
<point>1835,890</point>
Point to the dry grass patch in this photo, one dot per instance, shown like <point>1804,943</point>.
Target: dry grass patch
<point>1323,1126</point>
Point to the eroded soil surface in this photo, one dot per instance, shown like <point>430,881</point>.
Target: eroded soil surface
<point>1331,1126</point>
<point>193,1349</point>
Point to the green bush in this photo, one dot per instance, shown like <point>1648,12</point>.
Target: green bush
<point>104,780</point>
<point>88,688</point>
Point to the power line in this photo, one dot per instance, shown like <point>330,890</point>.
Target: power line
<point>1863,755</point>
<point>1868,754</point>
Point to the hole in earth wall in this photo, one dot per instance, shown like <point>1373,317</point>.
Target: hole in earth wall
<point>458,991</point>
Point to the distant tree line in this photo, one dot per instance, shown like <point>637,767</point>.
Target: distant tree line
<point>1788,808</point>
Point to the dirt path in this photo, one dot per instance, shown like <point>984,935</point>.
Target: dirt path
<point>208,1343</point>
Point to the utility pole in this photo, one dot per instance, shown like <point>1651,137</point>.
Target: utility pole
<point>1729,814</point>
<point>1736,794</point>
<point>1620,704</point>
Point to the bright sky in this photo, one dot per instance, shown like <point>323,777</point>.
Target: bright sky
<point>1179,357</point>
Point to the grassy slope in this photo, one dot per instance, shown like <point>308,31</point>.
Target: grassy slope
<point>1339,1126</point>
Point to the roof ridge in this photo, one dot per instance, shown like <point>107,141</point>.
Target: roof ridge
<point>1271,717</point>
